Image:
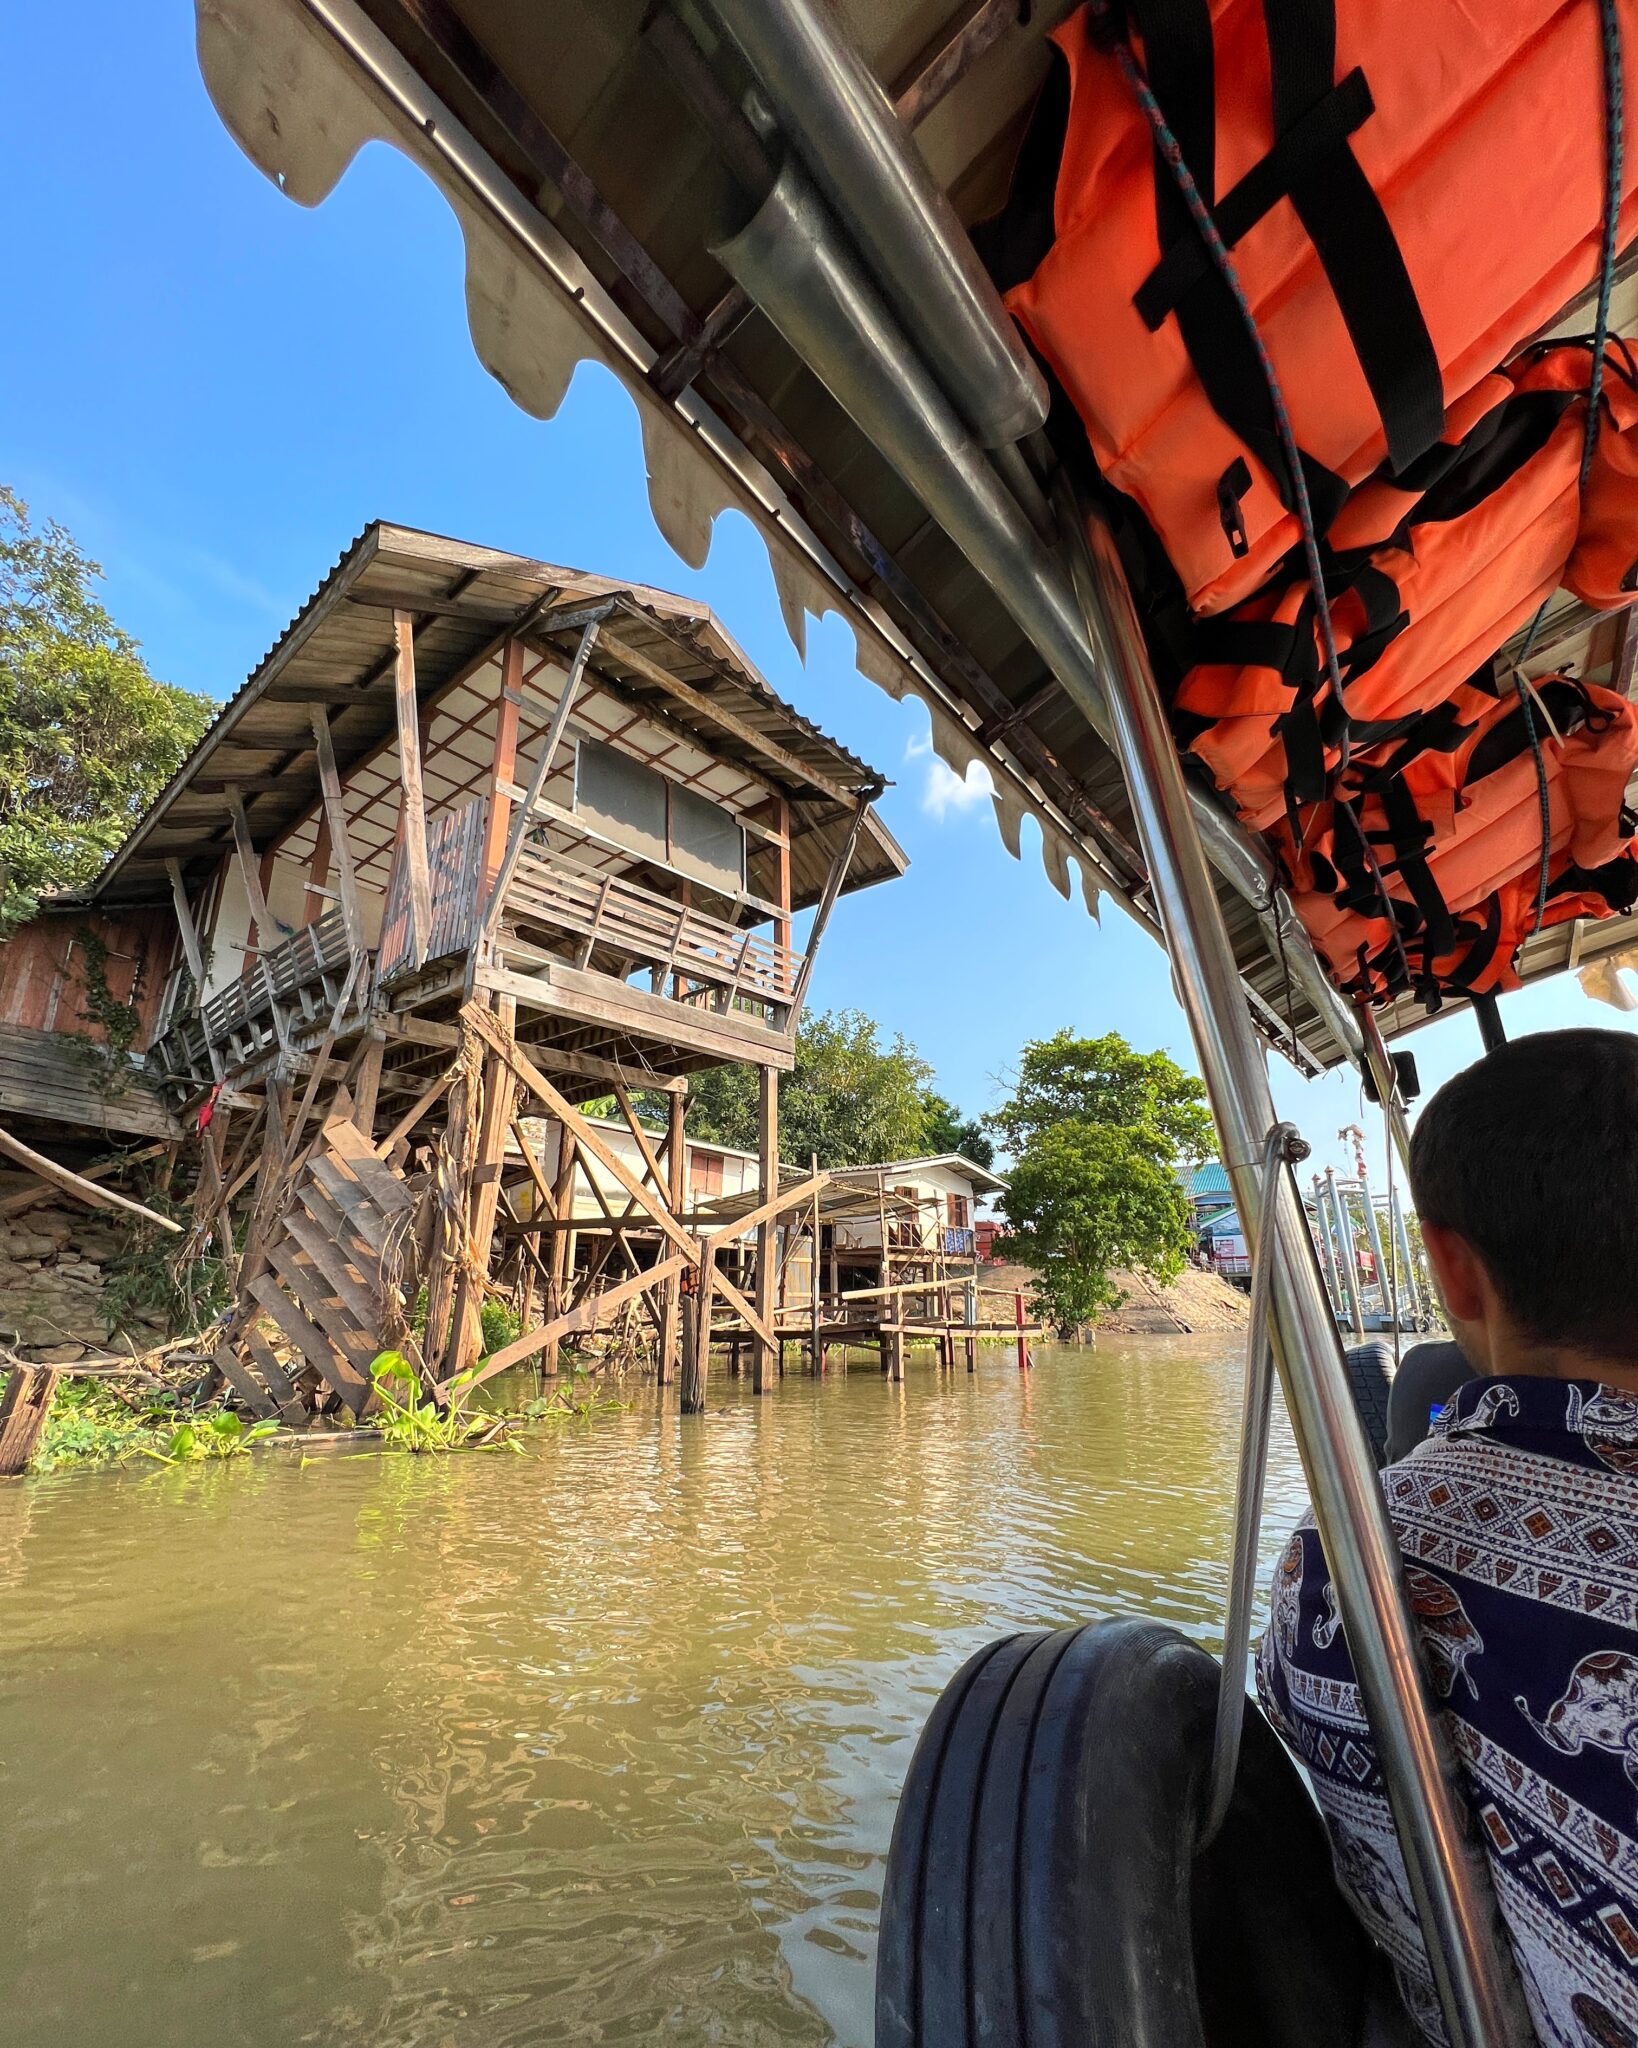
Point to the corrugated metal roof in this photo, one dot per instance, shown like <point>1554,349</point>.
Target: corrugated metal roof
<point>338,652</point>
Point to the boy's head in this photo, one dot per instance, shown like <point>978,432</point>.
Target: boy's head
<point>1524,1172</point>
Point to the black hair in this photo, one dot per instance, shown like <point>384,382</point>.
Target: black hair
<point>1532,1156</point>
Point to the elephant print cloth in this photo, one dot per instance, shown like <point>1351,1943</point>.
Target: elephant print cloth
<point>1518,1520</point>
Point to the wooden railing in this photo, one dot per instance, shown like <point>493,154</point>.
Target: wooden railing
<point>693,957</point>
<point>290,987</point>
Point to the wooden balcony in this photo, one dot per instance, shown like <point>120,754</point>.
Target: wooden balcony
<point>290,991</point>
<point>702,961</point>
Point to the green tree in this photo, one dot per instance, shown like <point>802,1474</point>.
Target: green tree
<point>1103,1081</point>
<point>1083,1199</point>
<point>949,1131</point>
<point>851,1097</point>
<point>88,738</point>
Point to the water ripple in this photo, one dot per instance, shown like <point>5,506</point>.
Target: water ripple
<point>596,1744</point>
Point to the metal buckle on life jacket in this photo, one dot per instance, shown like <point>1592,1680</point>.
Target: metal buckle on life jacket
<point>1232,486</point>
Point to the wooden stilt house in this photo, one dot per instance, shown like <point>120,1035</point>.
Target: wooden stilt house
<point>481,840</point>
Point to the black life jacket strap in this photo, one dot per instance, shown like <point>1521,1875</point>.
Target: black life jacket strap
<point>1180,61</point>
<point>1307,146</point>
<point>1352,237</point>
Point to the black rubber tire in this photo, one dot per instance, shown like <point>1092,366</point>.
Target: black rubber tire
<point>1370,1368</point>
<point>1042,1888</point>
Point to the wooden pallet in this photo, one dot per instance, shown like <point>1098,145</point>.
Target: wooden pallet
<point>320,1290</point>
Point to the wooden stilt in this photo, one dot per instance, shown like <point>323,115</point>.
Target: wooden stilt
<point>696,1333</point>
<point>23,1410</point>
<point>676,1173</point>
<point>557,1298</point>
<point>499,1092</point>
<point>767,1235</point>
<point>367,1085</point>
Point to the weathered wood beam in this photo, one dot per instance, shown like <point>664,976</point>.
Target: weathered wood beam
<point>589,1139</point>
<point>413,810</point>
<point>766,1368</point>
<point>639,1135</point>
<point>579,1318</point>
<point>827,903</point>
<point>696,1333</point>
<point>676,1167</point>
<point>507,862</point>
<point>700,702</point>
<point>186,928</point>
<point>766,1340</point>
<point>788,1198</point>
<point>335,818</point>
<point>78,1186</point>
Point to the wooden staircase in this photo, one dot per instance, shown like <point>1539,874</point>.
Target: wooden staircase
<point>337,1285</point>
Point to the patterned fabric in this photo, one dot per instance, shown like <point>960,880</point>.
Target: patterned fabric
<point>1518,1520</point>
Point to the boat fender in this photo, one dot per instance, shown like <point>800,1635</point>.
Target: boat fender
<point>1044,1888</point>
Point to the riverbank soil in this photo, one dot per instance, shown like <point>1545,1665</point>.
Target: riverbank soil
<point>1194,1301</point>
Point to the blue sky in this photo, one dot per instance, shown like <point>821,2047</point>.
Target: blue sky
<point>216,389</point>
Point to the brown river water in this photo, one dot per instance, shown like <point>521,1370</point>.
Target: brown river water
<point>596,1743</point>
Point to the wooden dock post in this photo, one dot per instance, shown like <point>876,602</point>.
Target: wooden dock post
<point>696,1335</point>
<point>767,1232</point>
<point>1023,1344</point>
<point>499,1092</point>
<point>557,1299</point>
<point>676,1181</point>
<point>23,1410</point>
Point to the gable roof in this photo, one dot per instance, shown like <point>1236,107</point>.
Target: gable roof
<point>980,1176</point>
<point>659,651</point>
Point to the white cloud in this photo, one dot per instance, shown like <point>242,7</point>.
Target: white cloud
<point>944,792</point>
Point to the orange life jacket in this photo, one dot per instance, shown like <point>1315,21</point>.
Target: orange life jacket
<point>1500,523</point>
<point>1401,217</point>
<point>1451,880</point>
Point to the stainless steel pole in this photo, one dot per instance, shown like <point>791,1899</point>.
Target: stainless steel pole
<point>1376,1058</point>
<point>829,103</point>
<point>1327,1251</point>
<point>1347,1250</point>
<point>1450,1882</point>
<point>1375,1237</point>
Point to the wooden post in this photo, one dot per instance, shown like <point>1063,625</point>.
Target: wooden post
<point>367,1084</point>
<point>23,1410</point>
<point>562,1251</point>
<point>696,1360</point>
<point>493,897</point>
<point>818,1344</point>
<point>499,1091</point>
<point>1023,1346</point>
<point>318,873</point>
<point>333,835</point>
<point>767,1238</point>
<point>503,770</point>
<point>676,1173</point>
<point>269,1181</point>
<point>413,812</point>
<point>827,900</point>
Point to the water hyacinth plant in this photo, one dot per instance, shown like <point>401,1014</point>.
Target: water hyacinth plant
<point>411,1420</point>
<point>225,1435</point>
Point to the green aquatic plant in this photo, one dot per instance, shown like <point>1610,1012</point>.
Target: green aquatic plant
<point>410,1420</point>
<point>500,1326</point>
<point>89,1425</point>
<point>202,1438</point>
